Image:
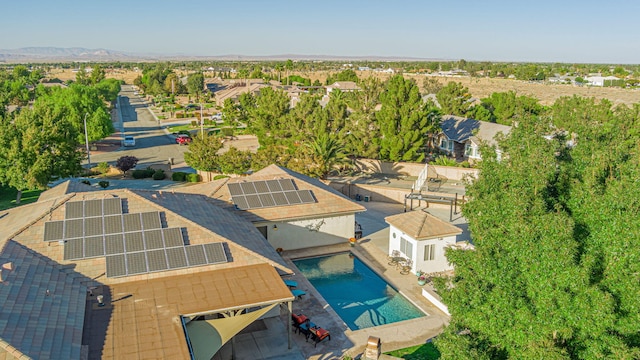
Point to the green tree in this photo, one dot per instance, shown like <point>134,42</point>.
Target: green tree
<point>97,75</point>
<point>402,120</point>
<point>267,118</point>
<point>195,84</point>
<point>553,274</point>
<point>327,151</point>
<point>35,148</point>
<point>202,154</point>
<point>82,77</point>
<point>454,99</point>
<point>234,161</point>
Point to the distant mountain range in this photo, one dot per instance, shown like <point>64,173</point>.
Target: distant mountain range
<point>56,54</point>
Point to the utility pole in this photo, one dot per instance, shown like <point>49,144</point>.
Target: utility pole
<point>86,140</point>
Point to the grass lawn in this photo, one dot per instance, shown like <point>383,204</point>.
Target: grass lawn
<point>8,197</point>
<point>421,352</point>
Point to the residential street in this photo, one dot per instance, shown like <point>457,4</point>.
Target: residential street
<point>153,145</point>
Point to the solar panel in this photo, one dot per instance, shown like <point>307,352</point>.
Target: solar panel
<point>153,239</point>
<point>54,230</point>
<point>74,210</point>
<point>93,246</point>
<point>195,255</point>
<point>136,263</point>
<point>113,224</point>
<point>93,208</point>
<point>113,244</point>
<point>287,184</point>
<point>261,187</point>
<point>215,253</point>
<point>253,201</point>
<point>73,228</point>
<point>241,202</point>
<point>151,220</point>
<point>132,222</point>
<point>93,226</point>
<point>266,200</point>
<point>248,188</point>
<point>74,249</point>
<point>274,185</point>
<point>280,199</point>
<point>172,237</point>
<point>133,241</point>
<point>292,197</point>
<point>176,258</point>
<point>157,260</point>
<point>112,206</point>
<point>235,189</point>
<point>306,196</point>
<point>116,265</point>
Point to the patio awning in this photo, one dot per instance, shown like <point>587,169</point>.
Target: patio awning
<point>208,336</point>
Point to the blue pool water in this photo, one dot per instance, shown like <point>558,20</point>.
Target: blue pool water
<point>361,297</point>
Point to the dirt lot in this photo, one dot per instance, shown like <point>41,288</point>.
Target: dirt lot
<point>478,87</point>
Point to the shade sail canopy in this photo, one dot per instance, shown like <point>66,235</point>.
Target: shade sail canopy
<point>208,336</point>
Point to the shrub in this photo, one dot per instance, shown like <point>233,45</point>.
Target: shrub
<point>444,161</point>
<point>194,123</point>
<point>103,168</point>
<point>125,163</point>
<point>103,184</point>
<point>465,164</point>
<point>179,176</point>
<point>86,182</point>
<point>218,177</point>
<point>227,132</point>
<point>158,175</point>
<point>179,115</point>
<point>185,132</point>
<point>193,177</point>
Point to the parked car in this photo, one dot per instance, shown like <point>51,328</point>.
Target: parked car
<point>129,141</point>
<point>183,139</point>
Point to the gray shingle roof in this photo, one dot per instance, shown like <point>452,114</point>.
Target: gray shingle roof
<point>461,129</point>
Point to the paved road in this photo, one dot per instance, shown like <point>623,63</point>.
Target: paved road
<point>153,145</point>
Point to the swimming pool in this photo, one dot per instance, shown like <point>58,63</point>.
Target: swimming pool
<point>360,297</point>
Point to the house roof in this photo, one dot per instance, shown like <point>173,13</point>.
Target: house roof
<point>150,310</point>
<point>37,325</point>
<point>344,85</point>
<point>461,129</point>
<point>421,225</point>
<point>329,202</point>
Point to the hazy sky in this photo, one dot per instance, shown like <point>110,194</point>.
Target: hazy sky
<point>516,30</point>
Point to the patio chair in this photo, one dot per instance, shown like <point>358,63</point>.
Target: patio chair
<point>406,267</point>
<point>318,334</point>
<point>305,328</point>
<point>393,258</point>
<point>298,293</point>
<point>297,320</point>
<point>291,283</point>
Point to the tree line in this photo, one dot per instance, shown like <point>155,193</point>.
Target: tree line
<point>41,137</point>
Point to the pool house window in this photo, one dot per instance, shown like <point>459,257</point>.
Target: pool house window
<point>430,252</point>
<point>406,247</point>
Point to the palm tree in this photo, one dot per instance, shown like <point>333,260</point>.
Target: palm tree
<point>327,151</point>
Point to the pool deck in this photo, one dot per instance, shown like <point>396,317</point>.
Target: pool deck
<point>272,343</point>
<point>372,249</point>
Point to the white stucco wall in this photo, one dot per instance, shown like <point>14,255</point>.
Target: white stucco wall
<point>303,234</point>
<point>439,263</point>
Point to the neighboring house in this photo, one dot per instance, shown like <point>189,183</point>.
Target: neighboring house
<point>601,80</point>
<point>310,214</point>
<point>130,274</point>
<point>344,86</point>
<point>233,92</point>
<point>461,137</point>
<point>422,238</point>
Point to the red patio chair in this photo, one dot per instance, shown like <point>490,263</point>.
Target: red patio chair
<point>318,334</point>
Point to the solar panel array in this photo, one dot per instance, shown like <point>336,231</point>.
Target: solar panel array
<point>111,244</point>
<point>90,208</point>
<point>133,243</point>
<point>268,193</point>
<point>132,263</point>
<point>107,224</point>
